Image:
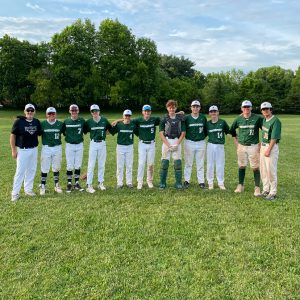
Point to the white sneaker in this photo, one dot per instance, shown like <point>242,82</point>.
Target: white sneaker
<point>210,186</point>
<point>42,189</point>
<point>90,189</point>
<point>139,185</point>
<point>14,198</point>
<point>101,186</point>
<point>239,188</point>
<point>257,192</point>
<point>150,184</point>
<point>58,189</point>
<point>30,193</point>
<point>222,187</point>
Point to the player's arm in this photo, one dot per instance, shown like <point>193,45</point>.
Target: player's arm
<point>182,135</point>
<point>233,133</point>
<point>269,149</point>
<point>114,123</point>
<point>226,128</point>
<point>63,128</point>
<point>12,141</point>
<point>164,139</point>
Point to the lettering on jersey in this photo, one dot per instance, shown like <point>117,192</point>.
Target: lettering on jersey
<point>147,126</point>
<point>215,130</point>
<point>77,125</point>
<point>265,129</point>
<point>51,130</point>
<point>128,131</point>
<point>31,129</point>
<point>247,126</point>
<point>196,124</point>
<point>95,128</point>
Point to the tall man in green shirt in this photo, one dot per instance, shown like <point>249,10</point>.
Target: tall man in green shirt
<point>194,144</point>
<point>247,143</point>
<point>73,129</point>
<point>51,149</point>
<point>96,126</point>
<point>269,151</point>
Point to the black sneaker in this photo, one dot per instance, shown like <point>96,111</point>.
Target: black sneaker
<point>186,184</point>
<point>202,185</point>
<point>265,194</point>
<point>69,188</point>
<point>77,187</point>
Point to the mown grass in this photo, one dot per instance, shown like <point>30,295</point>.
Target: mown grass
<point>129,244</point>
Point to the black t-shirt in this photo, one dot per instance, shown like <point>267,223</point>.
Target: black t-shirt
<point>26,132</point>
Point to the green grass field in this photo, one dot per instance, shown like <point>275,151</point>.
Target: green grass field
<point>129,244</point>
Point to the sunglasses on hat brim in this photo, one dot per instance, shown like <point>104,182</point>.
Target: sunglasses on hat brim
<point>265,108</point>
<point>51,113</point>
<point>127,115</point>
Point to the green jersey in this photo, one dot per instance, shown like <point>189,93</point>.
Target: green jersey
<point>248,129</point>
<point>98,129</point>
<point>196,128</point>
<point>51,133</point>
<point>125,133</point>
<point>216,131</point>
<point>146,129</point>
<point>271,129</point>
<point>73,130</point>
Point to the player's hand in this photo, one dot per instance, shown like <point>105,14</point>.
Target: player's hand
<point>267,152</point>
<point>174,147</point>
<point>236,142</point>
<point>14,154</point>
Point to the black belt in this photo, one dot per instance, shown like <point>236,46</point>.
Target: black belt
<point>147,142</point>
<point>27,147</point>
<point>172,138</point>
<point>248,144</point>
<point>97,141</point>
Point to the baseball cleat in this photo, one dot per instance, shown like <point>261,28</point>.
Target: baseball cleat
<point>101,186</point>
<point>222,187</point>
<point>186,184</point>
<point>257,192</point>
<point>69,188</point>
<point>77,187</point>
<point>264,194</point>
<point>130,186</point>
<point>30,193</point>
<point>58,189</point>
<point>150,184</point>
<point>90,189</point>
<point>42,189</point>
<point>119,186</point>
<point>202,185</point>
<point>210,186</point>
<point>239,188</point>
<point>270,197</point>
<point>162,187</point>
<point>14,198</point>
<point>140,186</point>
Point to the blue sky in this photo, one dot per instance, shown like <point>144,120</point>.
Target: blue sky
<point>217,35</point>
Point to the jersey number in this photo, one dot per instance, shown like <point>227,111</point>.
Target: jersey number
<point>200,129</point>
<point>220,135</point>
<point>251,132</point>
<point>79,130</point>
<point>152,130</point>
<point>56,136</point>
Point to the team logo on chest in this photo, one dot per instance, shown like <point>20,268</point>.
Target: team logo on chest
<point>31,129</point>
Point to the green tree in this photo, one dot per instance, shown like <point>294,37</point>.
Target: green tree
<point>292,103</point>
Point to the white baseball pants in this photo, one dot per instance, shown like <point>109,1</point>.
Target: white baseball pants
<point>74,154</point>
<point>51,156</point>
<point>124,157</point>
<point>194,149</point>
<point>268,169</point>
<point>167,152</point>
<point>146,153</point>
<point>215,155</point>
<point>96,151</point>
<point>26,169</point>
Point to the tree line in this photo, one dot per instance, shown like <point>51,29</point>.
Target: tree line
<point>112,67</point>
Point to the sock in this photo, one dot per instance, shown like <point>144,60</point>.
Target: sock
<point>69,176</point>
<point>56,177</point>
<point>43,178</point>
<point>256,174</point>
<point>242,173</point>
<point>76,175</point>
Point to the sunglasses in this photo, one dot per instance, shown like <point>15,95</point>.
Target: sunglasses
<point>94,110</point>
<point>265,108</point>
<point>127,116</point>
<point>30,110</point>
<point>74,110</point>
<point>51,113</point>
<point>246,106</point>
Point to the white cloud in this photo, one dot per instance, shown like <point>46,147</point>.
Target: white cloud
<point>176,33</point>
<point>220,28</point>
<point>87,12</point>
<point>35,7</point>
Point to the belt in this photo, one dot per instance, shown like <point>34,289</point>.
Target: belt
<point>264,144</point>
<point>171,138</point>
<point>97,141</point>
<point>248,144</point>
<point>147,142</point>
<point>26,147</point>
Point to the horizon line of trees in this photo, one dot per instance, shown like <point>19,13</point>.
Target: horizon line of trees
<point>113,68</point>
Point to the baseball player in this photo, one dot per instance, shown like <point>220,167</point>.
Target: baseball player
<point>247,144</point>
<point>194,145</point>
<point>125,131</point>
<point>51,150</point>
<point>216,131</point>
<point>23,143</point>
<point>269,151</point>
<point>146,129</point>
<point>73,129</point>
<point>96,126</point>
<point>171,132</point>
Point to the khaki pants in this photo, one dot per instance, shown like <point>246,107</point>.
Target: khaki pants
<point>251,153</point>
<point>268,169</point>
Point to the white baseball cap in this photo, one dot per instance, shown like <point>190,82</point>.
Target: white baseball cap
<point>127,112</point>
<point>73,106</point>
<point>213,107</point>
<point>246,103</point>
<point>29,105</point>
<point>94,107</point>
<point>50,110</point>
<point>265,105</point>
<point>196,102</point>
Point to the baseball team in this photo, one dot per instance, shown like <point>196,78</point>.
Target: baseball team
<point>174,128</point>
